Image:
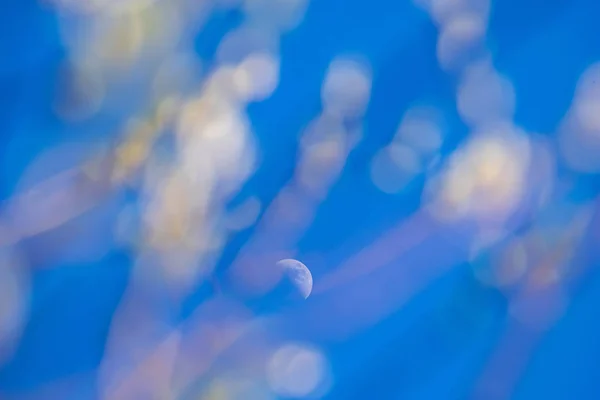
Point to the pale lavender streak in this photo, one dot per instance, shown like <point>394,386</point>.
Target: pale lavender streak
<point>379,279</point>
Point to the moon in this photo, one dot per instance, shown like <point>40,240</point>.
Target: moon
<point>299,274</point>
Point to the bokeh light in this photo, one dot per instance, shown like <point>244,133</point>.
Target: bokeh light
<point>297,371</point>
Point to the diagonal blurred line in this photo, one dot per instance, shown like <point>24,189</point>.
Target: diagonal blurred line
<point>518,343</point>
<point>51,203</point>
<point>507,363</point>
<point>69,194</point>
<point>417,228</point>
<point>174,345</point>
<point>282,224</point>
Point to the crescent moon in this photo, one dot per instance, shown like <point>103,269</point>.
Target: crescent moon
<point>299,274</point>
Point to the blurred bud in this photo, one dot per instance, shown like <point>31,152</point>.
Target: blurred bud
<point>347,88</point>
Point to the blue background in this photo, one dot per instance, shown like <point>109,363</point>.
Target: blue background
<point>409,355</point>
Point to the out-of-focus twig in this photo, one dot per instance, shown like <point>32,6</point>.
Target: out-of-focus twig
<point>62,197</point>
